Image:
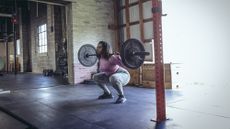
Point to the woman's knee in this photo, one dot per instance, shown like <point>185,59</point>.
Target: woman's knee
<point>94,77</point>
<point>114,80</point>
<point>100,77</point>
<point>122,79</point>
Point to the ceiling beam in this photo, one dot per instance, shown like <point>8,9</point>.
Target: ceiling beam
<point>47,2</point>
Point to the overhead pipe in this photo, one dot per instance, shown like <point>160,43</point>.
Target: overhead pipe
<point>5,15</point>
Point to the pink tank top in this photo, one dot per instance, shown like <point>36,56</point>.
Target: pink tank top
<point>110,66</point>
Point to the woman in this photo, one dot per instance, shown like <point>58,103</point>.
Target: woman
<point>110,71</point>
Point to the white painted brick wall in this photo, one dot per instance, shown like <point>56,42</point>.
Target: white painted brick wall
<point>90,20</point>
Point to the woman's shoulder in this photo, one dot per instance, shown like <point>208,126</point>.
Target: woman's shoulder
<point>115,58</point>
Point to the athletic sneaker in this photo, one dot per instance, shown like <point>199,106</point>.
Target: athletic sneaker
<point>121,99</point>
<point>105,96</point>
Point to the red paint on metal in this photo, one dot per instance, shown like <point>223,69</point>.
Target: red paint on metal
<point>159,63</point>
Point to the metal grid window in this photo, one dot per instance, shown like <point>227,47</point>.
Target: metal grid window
<point>42,39</point>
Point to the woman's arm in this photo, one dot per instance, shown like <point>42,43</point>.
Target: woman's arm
<point>116,59</point>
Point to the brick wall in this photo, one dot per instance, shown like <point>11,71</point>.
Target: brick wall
<point>90,20</point>
<point>42,61</point>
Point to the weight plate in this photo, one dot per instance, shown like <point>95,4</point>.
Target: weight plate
<point>130,60</point>
<point>83,59</point>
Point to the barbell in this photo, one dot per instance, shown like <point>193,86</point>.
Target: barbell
<point>132,54</point>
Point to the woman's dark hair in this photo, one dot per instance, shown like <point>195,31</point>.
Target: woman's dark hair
<point>105,50</point>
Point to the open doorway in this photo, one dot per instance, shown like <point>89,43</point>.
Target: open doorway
<point>40,40</point>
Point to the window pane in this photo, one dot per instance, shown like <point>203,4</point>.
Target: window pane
<point>44,27</point>
<point>45,48</point>
<point>18,47</point>
<point>39,29</point>
<point>45,37</point>
<point>39,40</point>
<point>42,39</point>
<point>39,50</point>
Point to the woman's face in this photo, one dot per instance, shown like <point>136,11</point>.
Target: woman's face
<point>99,48</point>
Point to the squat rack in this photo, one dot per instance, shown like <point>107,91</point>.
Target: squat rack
<point>158,43</point>
<point>159,61</point>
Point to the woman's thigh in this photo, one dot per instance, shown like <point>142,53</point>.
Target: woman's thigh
<point>101,78</point>
<point>122,78</point>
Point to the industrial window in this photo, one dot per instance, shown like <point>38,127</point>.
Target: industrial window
<point>42,39</point>
<point>18,47</point>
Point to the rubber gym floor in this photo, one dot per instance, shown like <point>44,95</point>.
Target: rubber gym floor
<point>35,101</point>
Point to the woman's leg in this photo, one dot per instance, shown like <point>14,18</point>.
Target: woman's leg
<point>118,80</point>
<point>101,79</point>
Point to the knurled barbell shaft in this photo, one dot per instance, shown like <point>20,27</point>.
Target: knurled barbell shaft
<point>134,53</point>
<point>141,53</point>
<point>88,55</point>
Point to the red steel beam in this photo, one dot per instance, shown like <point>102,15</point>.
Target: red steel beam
<point>127,16</point>
<point>159,63</point>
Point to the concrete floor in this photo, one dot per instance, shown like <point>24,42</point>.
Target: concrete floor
<point>77,107</point>
<point>29,81</point>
